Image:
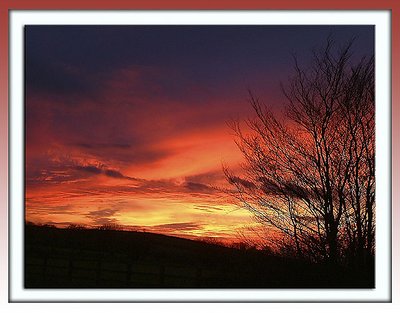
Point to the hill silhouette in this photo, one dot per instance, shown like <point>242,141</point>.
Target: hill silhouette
<point>92,258</point>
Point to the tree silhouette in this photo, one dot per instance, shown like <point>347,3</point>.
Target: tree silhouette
<point>309,176</point>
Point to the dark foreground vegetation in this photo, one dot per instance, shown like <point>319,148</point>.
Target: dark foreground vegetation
<point>89,258</point>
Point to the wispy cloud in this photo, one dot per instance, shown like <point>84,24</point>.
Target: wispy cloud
<point>199,187</point>
<point>105,171</point>
<point>104,216</point>
<point>186,226</point>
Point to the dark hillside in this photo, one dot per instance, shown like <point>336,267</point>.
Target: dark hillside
<point>87,258</point>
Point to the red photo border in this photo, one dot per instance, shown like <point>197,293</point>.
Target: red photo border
<point>8,5</point>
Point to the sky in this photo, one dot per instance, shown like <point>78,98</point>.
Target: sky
<point>128,124</point>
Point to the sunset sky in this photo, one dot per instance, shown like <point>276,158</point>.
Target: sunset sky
<point>127,124</point>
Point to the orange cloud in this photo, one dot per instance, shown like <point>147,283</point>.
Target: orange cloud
<point>133,156</point>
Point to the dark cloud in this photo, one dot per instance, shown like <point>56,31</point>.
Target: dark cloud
<point>115,174</point>
<point>49,170</point>
<point>198,187</point>
<point>208,55</point>
<point>207,177</point>
<point>103,145</point>
<point>89,169</point>
<point>104,221</point>
<point>54,77</point>
<point>49,175</point>
<point>177,226</point>
<point>103,213</point>
<point>97,171</point>
<point>101,217</point>
<point>240,181</point>
<point>137,153</point>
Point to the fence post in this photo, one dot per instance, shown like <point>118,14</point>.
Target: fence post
<point>198,277</point>
<point>162,275</point>
<point>129,275</point>
<point>45,269</point>
<point>98,272</point>
<point>70,265</point>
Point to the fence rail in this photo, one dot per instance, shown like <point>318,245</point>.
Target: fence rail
<point>43,271</point>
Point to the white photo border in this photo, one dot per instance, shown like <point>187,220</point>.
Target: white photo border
<point>382,21</point>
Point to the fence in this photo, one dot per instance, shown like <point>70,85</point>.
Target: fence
<point>74,271</point>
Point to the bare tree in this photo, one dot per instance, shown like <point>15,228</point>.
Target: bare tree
<point>309,176</point>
